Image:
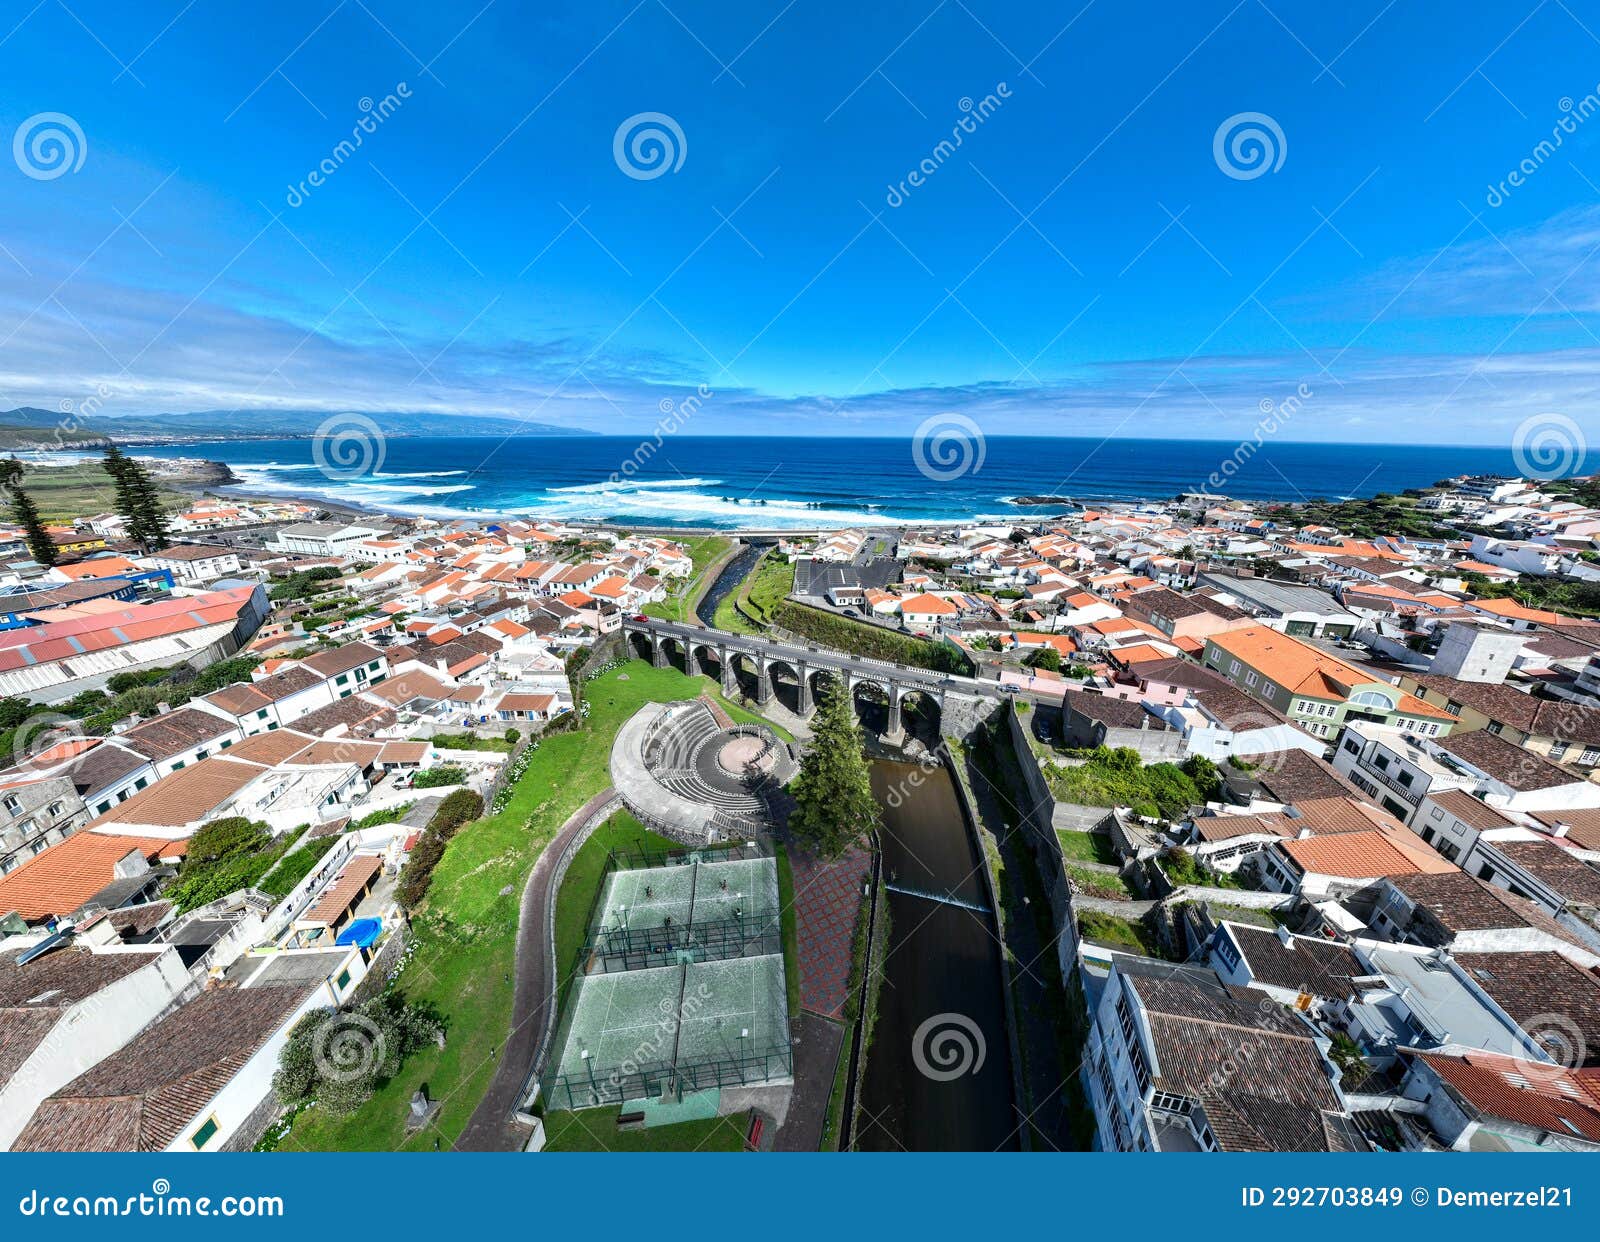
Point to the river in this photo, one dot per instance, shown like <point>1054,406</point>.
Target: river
<point>939,1071</point>
<point>728,580</point>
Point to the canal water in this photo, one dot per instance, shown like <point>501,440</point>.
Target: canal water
<point>728,580</point>
<point>939,1071</point>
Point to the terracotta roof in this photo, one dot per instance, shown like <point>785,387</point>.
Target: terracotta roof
<point>1302,668</point>
<point>1561,1101</point>
<point>174,732</point>
<point>185,797</point>
<point>1306,964</point>
<point>1474,812</point>
<point>144,1096</point>
<point>1363,855</point>
<point>340,896</point>
<point>1459,902</point>
<point>70,872</point>
<point>1533,986</point>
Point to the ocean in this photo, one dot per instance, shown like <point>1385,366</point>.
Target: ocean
<point>795,482</point>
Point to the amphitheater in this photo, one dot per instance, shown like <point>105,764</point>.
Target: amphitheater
<point>689,772</point>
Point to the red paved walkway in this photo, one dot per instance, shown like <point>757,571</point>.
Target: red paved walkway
<point>827,900</point>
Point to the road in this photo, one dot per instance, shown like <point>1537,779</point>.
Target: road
<point>815,657</point>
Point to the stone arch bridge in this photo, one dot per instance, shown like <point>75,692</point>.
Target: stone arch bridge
<point>719,654</point>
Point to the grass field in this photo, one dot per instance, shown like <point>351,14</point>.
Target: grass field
<point>465,937</point>
<point>766,586</point>
<point>65,493</point>
<point>1127,934</point>
<point>1097,883</point>
<point>1086,846</point>
<point>677,606</point>
<point>595,1129</point>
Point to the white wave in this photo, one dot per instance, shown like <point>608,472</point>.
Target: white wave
<point>373,491</point>
<point>615,486</point>
<point>416,474</point>
<point>687,507</point>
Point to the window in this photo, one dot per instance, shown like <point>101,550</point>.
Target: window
<point>262,714</point>
<point>1591,755</point>
<point>177,766</point>
<point>1250,678</point>
<point>1494,726</point>
<point>1558,750</point>
<point>1351,747</point>
<point>343,679</point>
<point>141,782</point>
<point>204,1134</point>
<point>343,981</point>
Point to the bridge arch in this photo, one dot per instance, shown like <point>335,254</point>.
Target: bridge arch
<point>676,653</point>
<point>922,714</point>
<point>640,645</point>
<point>706,660</point>
<point>784,678</point>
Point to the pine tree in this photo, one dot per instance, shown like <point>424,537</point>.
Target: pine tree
<point>834,806</point>
<point>26,514</point>
<point>138,500</point>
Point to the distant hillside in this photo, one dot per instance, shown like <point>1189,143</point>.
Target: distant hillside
<point>262,424</point>
<point>13,436</point>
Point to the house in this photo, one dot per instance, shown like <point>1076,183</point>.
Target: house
<point>194,563</point>
<point>200,1079</point>
<point>527,707</point>
<point>1299,611</point>
<point>1178,1062</point>
<point>926,613</point>
<point>1480,1101</point>
<point>1090,720</point>
<point>109,869</point>
<point>1461,913</point>
<point>82,647</point>
<point>1509,776</point>
<point>1317,691</point>
<point>66,1009</point>
<point>1393,767</point>
<point>1338,864</point>
<point>1559,729</point>
<point>36,811</point>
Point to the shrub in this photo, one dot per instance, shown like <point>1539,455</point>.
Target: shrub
<point>338,1058</point>
<point>296,866</point>
<point>458,808</point>
<point>444,774</point>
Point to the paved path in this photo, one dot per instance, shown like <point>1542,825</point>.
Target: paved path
<point>815,1059</point>
<point>492,1127</point>
<point>1122,909</point>
<point>827,901</point>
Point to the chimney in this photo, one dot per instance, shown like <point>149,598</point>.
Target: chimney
<point>1284,938</point>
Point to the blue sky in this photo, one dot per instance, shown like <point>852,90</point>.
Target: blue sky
<point>1081,264</point>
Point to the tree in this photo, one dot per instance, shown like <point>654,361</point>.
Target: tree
<point>1046,658</point>
<point>1203,773</point>
<point>338,1058</point>
<point>26,514</point>
<point>834,806</point>
<point>137,499</point>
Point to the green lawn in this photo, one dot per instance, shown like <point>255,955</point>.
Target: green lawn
<point>1098,883</point>
<point>1127,934</point>
<point>791,931</point>
<point>678,604</point>
<point>766,586</point>
<point>465,936</point>
<point>465,741</point>
<point>65,493</point>
<point>1086,846</point>
<point>595,1129</point>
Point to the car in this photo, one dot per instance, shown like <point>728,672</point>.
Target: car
<point>639,616</point>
